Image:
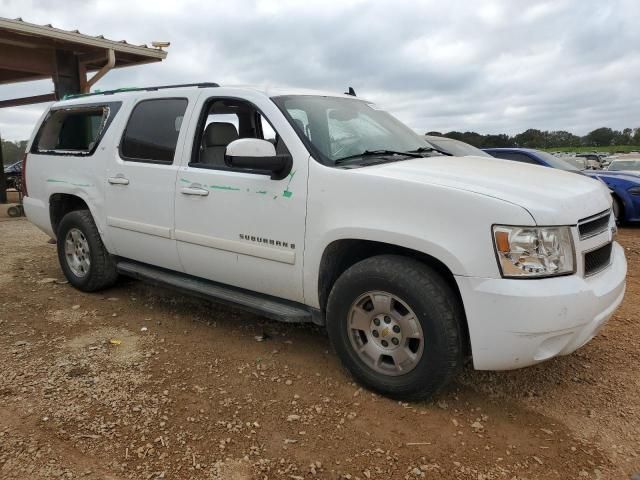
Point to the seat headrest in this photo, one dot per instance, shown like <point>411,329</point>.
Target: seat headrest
<point>299,124</point>
<point>219,134</point>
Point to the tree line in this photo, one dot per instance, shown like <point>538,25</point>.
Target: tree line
<point>12,151</point>
<point>533,138</point>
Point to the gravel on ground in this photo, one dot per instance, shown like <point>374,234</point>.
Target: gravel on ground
<point>140,382</point>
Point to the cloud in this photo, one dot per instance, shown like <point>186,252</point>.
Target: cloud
<point>499,66</point>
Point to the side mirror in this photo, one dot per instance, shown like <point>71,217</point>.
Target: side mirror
<point>258,155</point>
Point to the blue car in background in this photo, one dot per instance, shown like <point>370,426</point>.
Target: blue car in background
<point>624,185</point>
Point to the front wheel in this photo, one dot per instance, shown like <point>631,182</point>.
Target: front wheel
<point>84,260</point>
<point>396,326</point>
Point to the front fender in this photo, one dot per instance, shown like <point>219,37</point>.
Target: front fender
<point>449,224</point>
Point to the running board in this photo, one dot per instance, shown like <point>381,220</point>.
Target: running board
<point>260,304</point>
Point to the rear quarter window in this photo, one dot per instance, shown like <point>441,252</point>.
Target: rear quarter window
<point>152,131</point>
<point>74,130</point>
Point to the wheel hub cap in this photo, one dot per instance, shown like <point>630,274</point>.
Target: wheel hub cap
<point>76,252</point>
<point>385,333</point>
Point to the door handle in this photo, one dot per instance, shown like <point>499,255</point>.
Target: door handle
<point>194,191</point>
<point>118,181</point>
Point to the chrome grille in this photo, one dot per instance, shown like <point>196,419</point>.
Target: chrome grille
<point>597,260</point>
<point>594,225</point>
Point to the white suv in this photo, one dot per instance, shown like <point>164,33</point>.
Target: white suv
<point>318,207</point>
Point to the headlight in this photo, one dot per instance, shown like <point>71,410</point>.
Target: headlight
<point>634,190</point>
<point>534,251</point>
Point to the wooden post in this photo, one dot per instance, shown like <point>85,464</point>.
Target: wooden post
<point>3,182</point>
<point>66,75</point>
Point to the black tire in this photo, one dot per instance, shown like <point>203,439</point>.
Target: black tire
<point>102,270</point>
<point>434,304</point>
<point>14,211</point>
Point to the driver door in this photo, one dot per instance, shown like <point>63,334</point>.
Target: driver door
<point>235,226</point>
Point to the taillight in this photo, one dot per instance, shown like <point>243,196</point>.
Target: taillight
<point>24,175</point>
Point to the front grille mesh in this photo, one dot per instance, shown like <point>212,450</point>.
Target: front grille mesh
<point>593,226</point>
<point>597,260</point>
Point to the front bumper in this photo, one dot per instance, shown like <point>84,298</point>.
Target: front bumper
<point>516,323</point>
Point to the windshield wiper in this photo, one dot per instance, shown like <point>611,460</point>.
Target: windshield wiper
<point>378,153</point>
<point>430,149</point>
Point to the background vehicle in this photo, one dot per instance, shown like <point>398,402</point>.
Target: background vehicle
<point>624,186</point>
<point>324,208</point>
<point>577,162</point>
<point>533,157</point>
<point>455,147</point>
<point>594,160</point>
<point>624,164</point>
<point>13,175</point>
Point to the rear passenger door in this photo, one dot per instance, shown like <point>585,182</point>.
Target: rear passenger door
<point>140,181</point>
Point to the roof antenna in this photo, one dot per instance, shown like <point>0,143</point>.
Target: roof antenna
<point>351,92</point>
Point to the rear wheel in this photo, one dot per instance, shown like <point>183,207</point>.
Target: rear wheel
<point>82,255</point>
<point>395,324</point>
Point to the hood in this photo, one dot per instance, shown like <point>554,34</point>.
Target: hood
<point>551,196</point>
<point>629,175</point>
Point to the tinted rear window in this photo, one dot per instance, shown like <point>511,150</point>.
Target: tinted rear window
<point>455,147</point>
<point>518,157</point>
<point>152,132</point>
<point>75,130</point>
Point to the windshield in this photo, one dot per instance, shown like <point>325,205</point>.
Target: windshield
<point>336,128</point>
<point>456,147</point>
<point>625,165</point>
<point>556,162</point>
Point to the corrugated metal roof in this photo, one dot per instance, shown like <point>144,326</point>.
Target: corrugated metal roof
<point>19,26</point>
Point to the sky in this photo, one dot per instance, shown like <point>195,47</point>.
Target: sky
<point>491,66</point>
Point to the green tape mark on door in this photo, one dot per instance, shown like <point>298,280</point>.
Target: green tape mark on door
<point>53,180</point>
<point>288,193</point>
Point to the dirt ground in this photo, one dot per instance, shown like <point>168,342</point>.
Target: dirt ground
<point>143,383</point>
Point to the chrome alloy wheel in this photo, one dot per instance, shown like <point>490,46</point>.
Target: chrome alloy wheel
<point>385,333</point>
<point>76,251</point>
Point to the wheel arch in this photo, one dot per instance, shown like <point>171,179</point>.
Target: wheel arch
<point>341,254</point>
<point>62,203</point>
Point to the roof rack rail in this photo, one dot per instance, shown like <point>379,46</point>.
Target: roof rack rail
<point>140,89</point>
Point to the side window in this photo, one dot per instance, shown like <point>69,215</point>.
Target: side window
<point>152,132</point>
<point>518,157</point>
<point>224,120</point>
<point>72,130</point>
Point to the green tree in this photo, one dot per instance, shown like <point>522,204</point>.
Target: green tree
<point>600,137</point>
<point>497,141</point>
<point>531,138</point>
<point>562,138</point>
<point>12,151</point>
